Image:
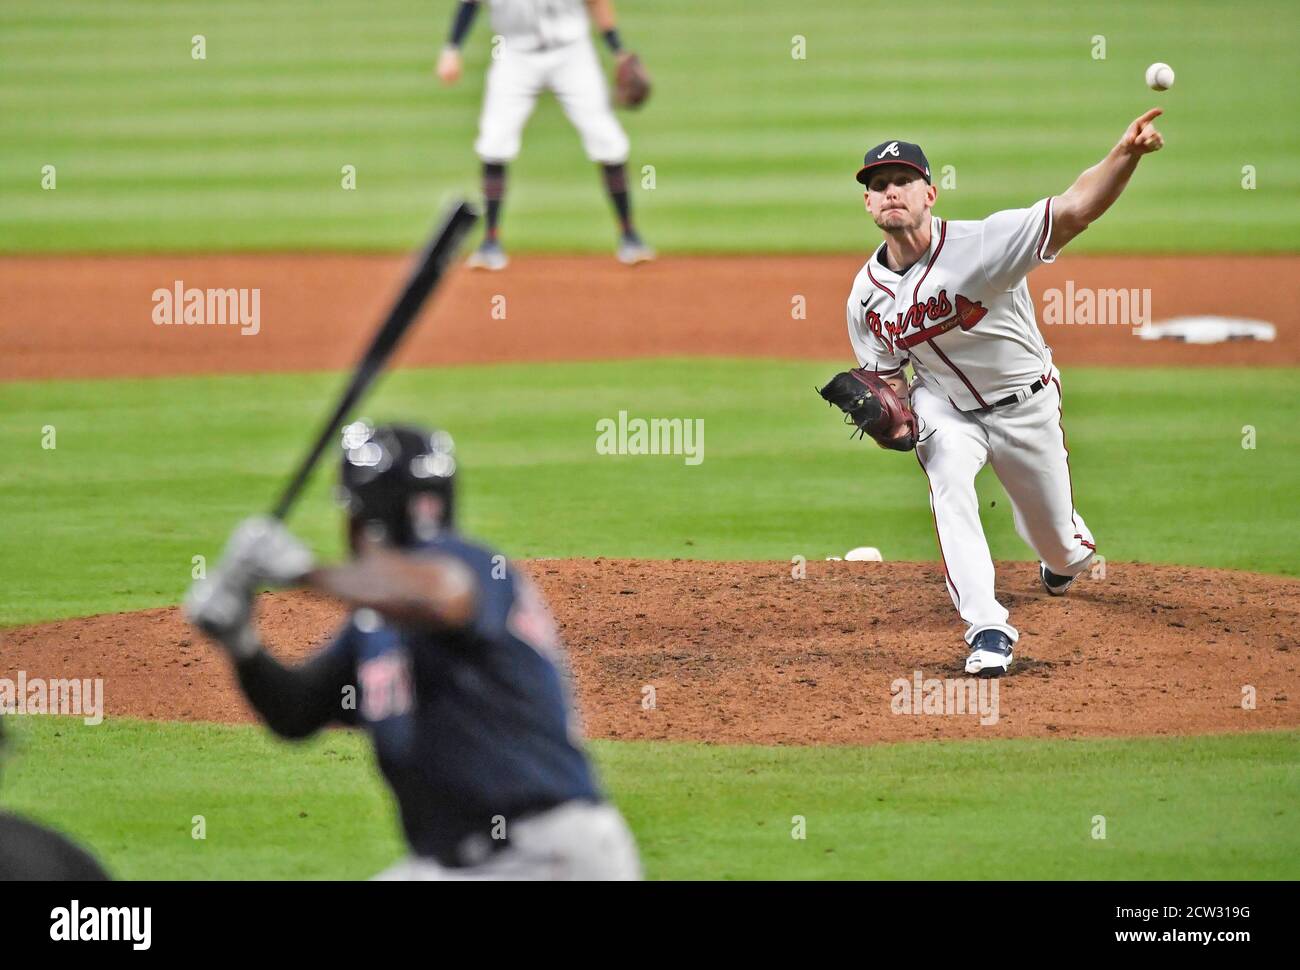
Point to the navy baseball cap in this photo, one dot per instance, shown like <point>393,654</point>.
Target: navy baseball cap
<point>895,153</point>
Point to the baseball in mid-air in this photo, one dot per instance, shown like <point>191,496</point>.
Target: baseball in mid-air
<point>1160,76</point>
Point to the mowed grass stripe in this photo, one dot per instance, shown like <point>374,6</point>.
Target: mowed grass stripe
<point>1174,808</point>
<point>753,150</point>
<point>149,473</point>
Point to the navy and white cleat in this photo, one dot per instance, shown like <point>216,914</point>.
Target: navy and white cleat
<point>990,654</point>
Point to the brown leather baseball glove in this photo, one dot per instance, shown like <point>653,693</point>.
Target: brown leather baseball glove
<point>631,82</point>
<point>871,406</point>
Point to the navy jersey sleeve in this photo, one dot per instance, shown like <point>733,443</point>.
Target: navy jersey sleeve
<point>298,701</point>
<point>496,596</point>
<point>508,605</point>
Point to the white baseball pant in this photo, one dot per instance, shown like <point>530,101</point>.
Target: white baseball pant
<point>574,841</point>
<point>1025,444</point>
<point>516,79</point>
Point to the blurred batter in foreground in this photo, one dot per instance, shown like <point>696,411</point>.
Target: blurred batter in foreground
<point>450,660</point>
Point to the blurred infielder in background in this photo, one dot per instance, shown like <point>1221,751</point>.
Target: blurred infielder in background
<point>951,299</point>
<point>547,46</point>
<point>451,661</point>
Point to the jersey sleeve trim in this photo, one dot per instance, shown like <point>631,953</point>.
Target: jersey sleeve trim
<point>1041,251</point>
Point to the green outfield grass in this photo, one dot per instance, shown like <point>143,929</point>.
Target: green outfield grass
<point>147,474</point>
<point>1188,808</point>
<point>752,149</point>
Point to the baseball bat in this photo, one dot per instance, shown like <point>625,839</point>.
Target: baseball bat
<point>424,279</point>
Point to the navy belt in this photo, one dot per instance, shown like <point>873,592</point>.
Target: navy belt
<point>1033,389</point>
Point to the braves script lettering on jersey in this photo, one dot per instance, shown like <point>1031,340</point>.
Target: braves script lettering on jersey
<point>985,392</point>
<point>963,315</point>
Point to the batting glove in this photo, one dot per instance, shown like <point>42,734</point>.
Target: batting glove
<point>222,607</point>
<point>262,552</point>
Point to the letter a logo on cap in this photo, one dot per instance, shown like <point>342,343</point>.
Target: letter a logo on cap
<point>890,149</point>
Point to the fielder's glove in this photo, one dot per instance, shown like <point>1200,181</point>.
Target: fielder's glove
<point>631,82</point>
<point>872,407</point>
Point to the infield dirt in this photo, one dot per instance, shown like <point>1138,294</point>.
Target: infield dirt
<point>91,317</point>
<point>734,652</point>
<point>744,652</point>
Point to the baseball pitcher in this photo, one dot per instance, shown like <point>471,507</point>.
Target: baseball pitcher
<point>950,299</point>
<point>449,659</point>
<point>546,45</point>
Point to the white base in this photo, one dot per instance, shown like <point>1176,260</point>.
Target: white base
<point>864,554</point>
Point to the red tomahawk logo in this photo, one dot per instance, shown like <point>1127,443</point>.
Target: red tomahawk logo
<point>967,315</point>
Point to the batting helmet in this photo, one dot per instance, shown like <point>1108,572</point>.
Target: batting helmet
<point>385,467</point>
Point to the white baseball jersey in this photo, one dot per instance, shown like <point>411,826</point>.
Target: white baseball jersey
<point>963,317</point>
<point>962,314</point>
<point>548,48</point>
<point>530,25</point>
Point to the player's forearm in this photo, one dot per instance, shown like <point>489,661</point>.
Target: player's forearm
<point>1097,188</point>
<point>293,702</point>
<point>432,593</point>
<point>462,20</point>
<point>602,13</point>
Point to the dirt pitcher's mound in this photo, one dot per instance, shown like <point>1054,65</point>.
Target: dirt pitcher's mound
<point>746,652</point>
